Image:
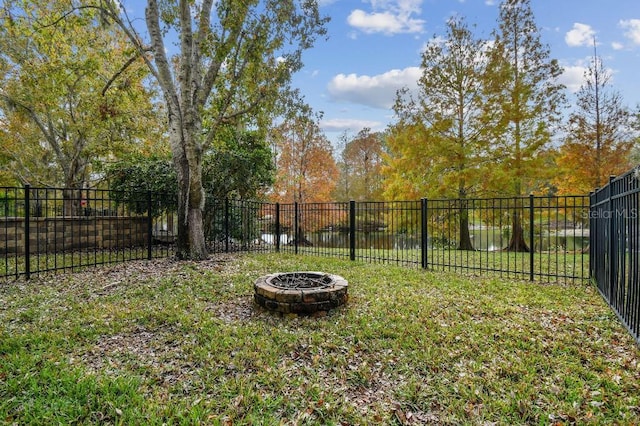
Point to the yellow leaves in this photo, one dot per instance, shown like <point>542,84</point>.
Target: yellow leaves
<point>583,167</point>
<point>62,63</point>
<point>361,167</point>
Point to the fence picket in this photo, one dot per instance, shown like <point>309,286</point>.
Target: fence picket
<point>615,247</point>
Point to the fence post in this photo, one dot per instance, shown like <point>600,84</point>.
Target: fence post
<point>27,232</point>
<point>352,230</point>
<point>296,234</point>
<point>226,225</point>
<point>149,226</point>
<point>424,236</point>
<point>593,224</point>
<point>531,236</point>
<point>611,256</point>
<point>277,231</point>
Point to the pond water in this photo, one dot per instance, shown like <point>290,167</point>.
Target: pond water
<point>486,239</point>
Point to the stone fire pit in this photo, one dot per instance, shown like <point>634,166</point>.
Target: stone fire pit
<point>300,292</point>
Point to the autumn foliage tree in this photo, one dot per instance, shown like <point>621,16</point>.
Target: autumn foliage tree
<point>449,124</point>
<point>306,170</point>
<point>406,169</point>
<point>64,113</point>
<point>360,167</point>
<point>522,79</point>
<point>599,139</point>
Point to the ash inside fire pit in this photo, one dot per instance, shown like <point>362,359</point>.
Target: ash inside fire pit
<point>300,292</point>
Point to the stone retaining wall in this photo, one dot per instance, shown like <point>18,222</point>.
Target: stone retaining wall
<point>54,234</point>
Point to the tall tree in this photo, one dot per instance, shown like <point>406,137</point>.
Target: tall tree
<point>456,117</point>
<point>523,78</point>
<point>63,112</point>
<point>599,139</point>
<point>360,167</point>
<point>407,169</point>
<point>232,59</point>
<point>306,170</point>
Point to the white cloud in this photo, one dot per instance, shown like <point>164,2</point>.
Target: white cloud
<point>573,77</point>
<point>580,35</point>
<point>388,17</point>
<point>617,45</point>
<point>348,124</point>
<point>378,91</point>
<point>633,29</point>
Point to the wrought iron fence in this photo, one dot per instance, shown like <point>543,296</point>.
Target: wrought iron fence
<point>473,235</point>
<point>44,229</point>
<point>50,229</point>
<point>615,244</point>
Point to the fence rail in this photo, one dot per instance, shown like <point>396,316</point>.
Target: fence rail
<point>615,246</point>
<point>46,229</point>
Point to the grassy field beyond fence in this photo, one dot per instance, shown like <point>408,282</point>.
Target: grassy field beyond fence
<point>166,342</point>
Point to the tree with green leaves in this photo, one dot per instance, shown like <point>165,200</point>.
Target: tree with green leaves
<point>239,166</point>
<point>454,117</point>
<point>131,179</point>
<point>599,139</point>
<point>64,112</point>
<point>522,80</point>
<point>232,64</point>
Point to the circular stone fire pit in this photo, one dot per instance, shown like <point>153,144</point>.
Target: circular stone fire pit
<point>300,292</point>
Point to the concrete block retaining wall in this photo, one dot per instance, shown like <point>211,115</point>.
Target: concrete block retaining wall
<point>71,233</point>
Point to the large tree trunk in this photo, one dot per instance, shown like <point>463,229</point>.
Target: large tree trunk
<point>517,242</point>
<point>464,242</point>
<point>74,172</point>
<point>190,242</point>
<point>71,201</point>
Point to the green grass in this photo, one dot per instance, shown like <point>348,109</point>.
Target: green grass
<point>166,342</point>
<point>14,265</point>
<point>549,266</point>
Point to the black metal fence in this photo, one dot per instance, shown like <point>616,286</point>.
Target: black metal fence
<point>44,229</point>
<point>554,236</point>
<point>615,244</point>
<point>50,229</point>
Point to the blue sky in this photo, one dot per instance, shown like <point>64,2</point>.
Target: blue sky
<point>374,49</point>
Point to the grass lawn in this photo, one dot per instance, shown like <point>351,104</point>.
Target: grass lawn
<point>166,342</point>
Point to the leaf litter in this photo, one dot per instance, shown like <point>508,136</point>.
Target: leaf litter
<point>361,376</point>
